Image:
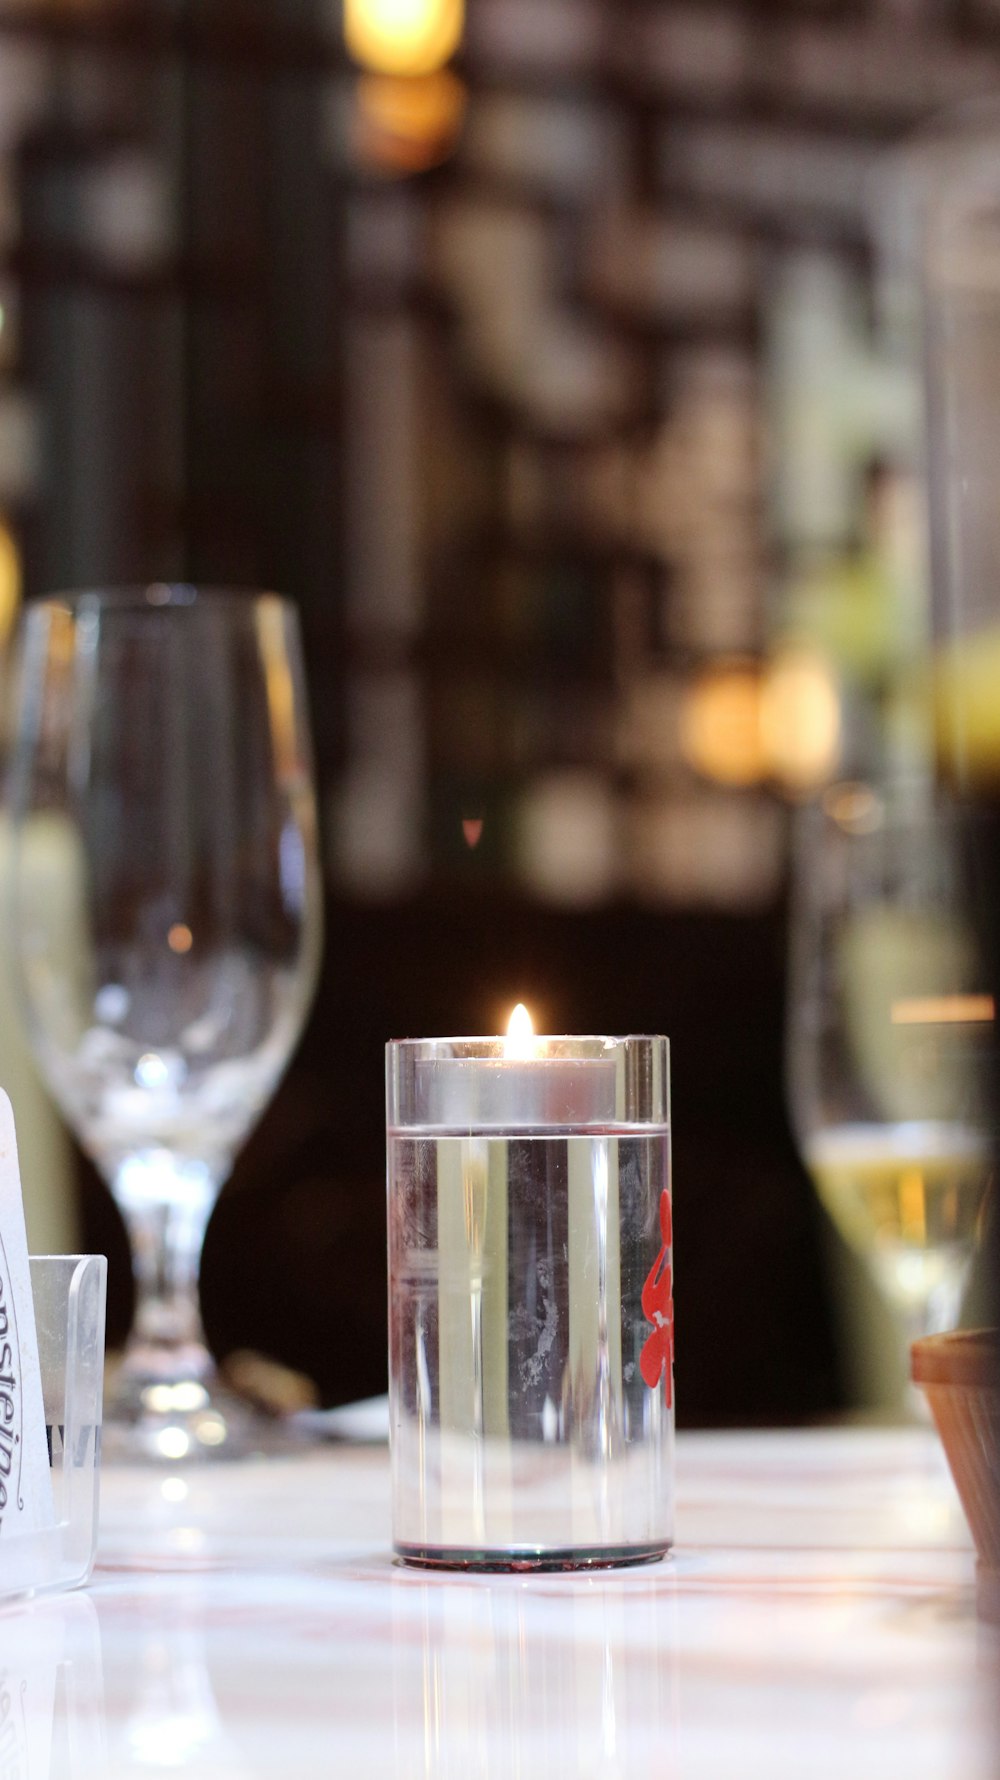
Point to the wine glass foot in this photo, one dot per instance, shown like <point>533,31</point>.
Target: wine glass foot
<point>191,1418</point>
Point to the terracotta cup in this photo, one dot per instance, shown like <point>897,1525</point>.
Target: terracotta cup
<point>959,1374</point>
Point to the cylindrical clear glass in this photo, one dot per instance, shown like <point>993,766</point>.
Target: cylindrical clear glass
<point>530,1301</point>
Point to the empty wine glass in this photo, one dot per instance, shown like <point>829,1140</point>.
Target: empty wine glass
<point>167,925</point>
<point>889,1040</point>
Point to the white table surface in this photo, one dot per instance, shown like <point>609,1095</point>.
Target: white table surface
<point>815,1620</point>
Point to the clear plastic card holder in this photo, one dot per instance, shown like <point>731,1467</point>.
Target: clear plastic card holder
<point>69,1294</point>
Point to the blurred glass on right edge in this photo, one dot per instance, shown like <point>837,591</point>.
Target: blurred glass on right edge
<point>956,213</point>
<point>893,1066</point>
<point>958,232</point>
<point>955,232</point>
<point>889,1041</point>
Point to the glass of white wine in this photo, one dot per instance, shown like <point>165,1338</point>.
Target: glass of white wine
<point>889,1039</point>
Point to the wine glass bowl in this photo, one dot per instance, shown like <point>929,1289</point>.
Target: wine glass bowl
<point>889,1040</point>
<point>166,917</point>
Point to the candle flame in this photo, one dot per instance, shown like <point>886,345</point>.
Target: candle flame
<point>519,1041</point>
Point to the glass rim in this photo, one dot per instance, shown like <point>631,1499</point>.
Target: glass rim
<point>607,1039</point>
<point>156,596</point>
<point>548,1083</point>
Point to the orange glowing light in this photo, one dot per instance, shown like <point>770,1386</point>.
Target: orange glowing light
<point>856,808</point>
<point>472,829</point>
<point>270,624</point>
<point>520,1039</point>
<point>10,581</point>
<point>403,36</point>
<point>943,1010</point>
<point>180,938</point>
<point>720,726</point>
<point>800,718</point>
<point>407,123</point>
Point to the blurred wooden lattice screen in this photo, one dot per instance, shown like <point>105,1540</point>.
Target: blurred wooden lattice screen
<point>539,438</point>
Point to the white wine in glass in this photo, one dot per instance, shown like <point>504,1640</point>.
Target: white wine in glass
<point>166,914</point>
<point>889,1041</point>
<point>910,1198</point>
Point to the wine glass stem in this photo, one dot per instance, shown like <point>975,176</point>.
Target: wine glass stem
<point>942,1308</point>
<point>166,1207</point>
<point>929,1315</point>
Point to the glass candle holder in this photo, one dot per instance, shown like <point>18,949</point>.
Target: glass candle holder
<point>530,1301</point>
<point>69,1294</point>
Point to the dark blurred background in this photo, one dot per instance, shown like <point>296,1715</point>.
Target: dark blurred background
<point>544,369</point>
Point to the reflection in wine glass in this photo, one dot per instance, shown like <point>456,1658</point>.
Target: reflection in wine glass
<point>166,925</point>
<point>888,1037</point>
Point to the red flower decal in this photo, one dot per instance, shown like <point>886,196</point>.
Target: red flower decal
<point>657,1357</point>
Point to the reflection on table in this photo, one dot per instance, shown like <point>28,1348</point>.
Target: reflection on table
<point>52,1721</point>
<point>817,1618</point>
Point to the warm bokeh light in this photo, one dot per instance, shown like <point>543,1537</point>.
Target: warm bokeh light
<point>568,842</point>
<point>180,938</point>
<point>403,36</point>
<point>270,622</point>
<point>407,124</point>
<point>740,725</point>
<point>800,718</point>
<point>967,708</point>
<point>62,641</point>
<point>10,581</point>
<point>520,1039</point>
<point>720,726</point>
<point>943,1010</point>
<point>855,807</point>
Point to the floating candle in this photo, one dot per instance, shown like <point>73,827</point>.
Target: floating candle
<point>517,1082</point>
